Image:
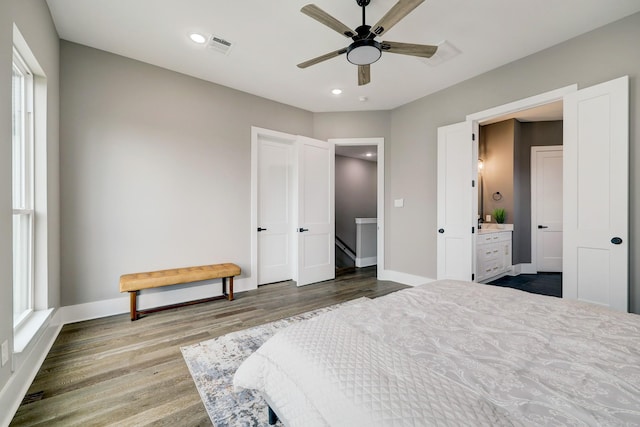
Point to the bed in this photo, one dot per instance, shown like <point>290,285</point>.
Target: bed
<point>453,353</point>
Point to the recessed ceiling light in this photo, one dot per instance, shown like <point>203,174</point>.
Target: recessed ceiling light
<point>336,91</point>
<point>369,154</point>
<point>197,38</point>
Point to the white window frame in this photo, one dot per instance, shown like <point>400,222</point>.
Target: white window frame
<point>23,203</point>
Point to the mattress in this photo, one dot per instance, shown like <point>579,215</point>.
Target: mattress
<point>452,353</point>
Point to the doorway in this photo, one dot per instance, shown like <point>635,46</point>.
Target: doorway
<point>355,145</point>
<point>511,151</point>
<point>596,149</point>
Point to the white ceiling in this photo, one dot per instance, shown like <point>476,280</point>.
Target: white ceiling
<point>270,37</point>
<point>358,152</point>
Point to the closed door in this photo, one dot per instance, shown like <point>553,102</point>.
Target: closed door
<point>596,188</point>
<point>275,225</point>
<point>547,206</point>
<point>456,210</point>
<point>316,214</point>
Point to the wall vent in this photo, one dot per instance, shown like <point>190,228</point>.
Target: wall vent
<point>220,45</point>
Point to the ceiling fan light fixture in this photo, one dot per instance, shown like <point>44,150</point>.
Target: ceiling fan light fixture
<point>364,52</point>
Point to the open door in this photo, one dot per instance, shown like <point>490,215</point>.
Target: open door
<point>596,179</point>
<point>457,174</point>
<point>275,210</point>
<point>316,215</point>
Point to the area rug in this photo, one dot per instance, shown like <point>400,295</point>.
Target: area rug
<point>213,363</point>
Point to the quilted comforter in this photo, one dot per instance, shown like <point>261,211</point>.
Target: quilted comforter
<point>453,353</point>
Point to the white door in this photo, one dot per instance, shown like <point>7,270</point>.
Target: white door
<point>596,177</point>
<point>316,216</point>
<point>547,207</point>
<point>457,173</point>
<point>275,225</point>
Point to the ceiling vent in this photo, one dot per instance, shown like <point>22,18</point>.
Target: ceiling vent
<point>219,44</point>
<point>445,52</point>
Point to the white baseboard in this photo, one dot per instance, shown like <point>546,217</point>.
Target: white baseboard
<point>147,299</point>
<point>404,278</point>
<point>523,269</point>
<point>366,262</point>
<point>16,388</point>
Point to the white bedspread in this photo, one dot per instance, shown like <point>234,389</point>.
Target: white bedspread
<point>453,353</point>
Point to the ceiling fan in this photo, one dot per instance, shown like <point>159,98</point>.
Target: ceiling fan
<point>365,50</point>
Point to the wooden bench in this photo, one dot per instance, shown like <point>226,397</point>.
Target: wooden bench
<point>134,283</point>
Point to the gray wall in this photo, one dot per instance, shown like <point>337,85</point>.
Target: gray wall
<point>356,195</point>
<point>34,21</point>
<point>533,134</point>
<point>155,169</point>
<point>411,167</point>
<point>496,147</point>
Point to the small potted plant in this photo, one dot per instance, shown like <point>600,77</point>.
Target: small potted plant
<point>500,215</point>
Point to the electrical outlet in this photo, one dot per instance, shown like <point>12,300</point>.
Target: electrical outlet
<point>5,352</point>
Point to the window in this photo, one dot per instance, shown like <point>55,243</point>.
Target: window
<point>23,179</point>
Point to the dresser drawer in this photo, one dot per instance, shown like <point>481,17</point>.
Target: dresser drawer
<point>502,236</point>
<point>488,252</point>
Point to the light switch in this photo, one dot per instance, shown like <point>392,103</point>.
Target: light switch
<point>398,203</point>
<point>488,218</point>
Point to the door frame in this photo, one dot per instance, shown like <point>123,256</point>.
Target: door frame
<point>514,107</point>
<point>379,142</point>
<point>534,213</point>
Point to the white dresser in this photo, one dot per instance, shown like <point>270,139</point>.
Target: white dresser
<point>493,253</point>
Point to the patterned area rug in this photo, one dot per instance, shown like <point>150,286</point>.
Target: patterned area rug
<point>213,363</point>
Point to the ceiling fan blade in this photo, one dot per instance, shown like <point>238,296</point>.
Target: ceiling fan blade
<point>394,15</point>
<point>364,74</point>
<point>324,18</point>
<point>423,50</point>
<point>321,58</point>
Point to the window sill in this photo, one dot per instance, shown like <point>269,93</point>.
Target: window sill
<point>29,329</point>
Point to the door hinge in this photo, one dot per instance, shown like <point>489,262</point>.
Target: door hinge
<point>473,136</point>
<point>473,182</point>
<point>473,230</point>
<point>473,277</point>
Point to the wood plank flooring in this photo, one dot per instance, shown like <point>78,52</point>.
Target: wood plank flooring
<point>112,371</point>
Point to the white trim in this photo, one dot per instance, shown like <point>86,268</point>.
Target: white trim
<point>524,268</point>
<point>403,278</point>
<point>379,142</point>
<point>148,298</point>
<point>523,104</point>
<point>366,262</point>
<point>26,370</point>
<point>366,220</point>
<point>534,205</point>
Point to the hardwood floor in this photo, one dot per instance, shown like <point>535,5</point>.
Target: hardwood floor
<point>112,371</point>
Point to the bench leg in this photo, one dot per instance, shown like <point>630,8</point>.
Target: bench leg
<point>133,298</point>
<point>224,288</point>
